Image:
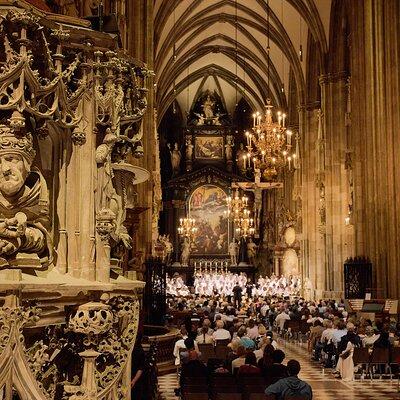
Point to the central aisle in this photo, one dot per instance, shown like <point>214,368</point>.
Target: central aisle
<point>324,385</point>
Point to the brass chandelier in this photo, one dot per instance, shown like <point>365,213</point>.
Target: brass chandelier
<point>187,227</point>
<point>240,214</point>
<point>269,145</point>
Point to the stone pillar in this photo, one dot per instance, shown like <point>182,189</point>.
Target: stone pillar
<point>375,84</point>
<point>140,46</point>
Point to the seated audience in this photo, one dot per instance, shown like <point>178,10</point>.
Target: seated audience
<point>240,360</point>
<point>266,361</point>
<point>291,385</point>
<point>250,365</point>
<point>277,370</point>
<point>204,337</point>
<point>220,333</point>
<point>252,330</point>
<point>280,320</point>
<point>192,352</point>
<point>180,344</point>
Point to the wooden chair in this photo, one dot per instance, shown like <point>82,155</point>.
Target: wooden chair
<point>199,380</point>
<point>228,396</point>
<point>195,396</point>
<point>194,388</point>
<point>260,396</point>
<point>221,351</point>
<point>207,351</point>
<point>361,356</point>
<point>395,355</point>
<point>380,357</point>
<point>297,398</point>
<point>223,379</point>
<point>222,342</point>
<point>246,380</point>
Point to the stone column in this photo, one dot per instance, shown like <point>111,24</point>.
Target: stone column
<point>375,65</point>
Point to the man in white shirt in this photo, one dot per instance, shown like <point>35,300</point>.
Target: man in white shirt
<point>220,333</point>
<point>280,320</point>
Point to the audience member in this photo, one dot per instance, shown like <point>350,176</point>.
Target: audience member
<point>291,385</point>
<point>250,365</point>
<point>220,333</point>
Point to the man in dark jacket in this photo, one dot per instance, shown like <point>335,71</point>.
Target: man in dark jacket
<point>290,386</point>
<point>237,295</point>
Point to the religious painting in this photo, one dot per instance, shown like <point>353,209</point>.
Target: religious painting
<point>209,147</point>
<point>208,207</point>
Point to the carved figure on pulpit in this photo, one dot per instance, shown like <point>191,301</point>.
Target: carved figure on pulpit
<point>185,252</point>
<point>233,251</point>
<point>251,251</point>
<point>24,204</point>
<point>107,197</point>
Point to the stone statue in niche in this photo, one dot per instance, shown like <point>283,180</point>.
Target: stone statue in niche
<point>107,197</point>
<point>189,148</point>
<point>68,7</point>
<point>24,204</point>
<point>251,251</point>
<point>233,251</point>
<point>228,147</point>
<point>208,107</point>
<point>175,158</point>
<point>167,248</point>
<point>185,252</point>
<point>208,117</point>
<point>241,154</point>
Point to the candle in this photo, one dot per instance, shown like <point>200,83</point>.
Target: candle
<point>289,160</point>
<point>283,119</point>
<point>289,137</point>
<point>279,118</point>
<point>254,119</point>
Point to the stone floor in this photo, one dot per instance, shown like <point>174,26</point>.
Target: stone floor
<point>325,386</point>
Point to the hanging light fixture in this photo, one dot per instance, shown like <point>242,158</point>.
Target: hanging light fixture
<point>245,226</point>
<point>187,228</point>
<point>239,213</point>
<point>269,145</point>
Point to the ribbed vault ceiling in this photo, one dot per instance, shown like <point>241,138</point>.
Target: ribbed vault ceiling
<point>221,45</point>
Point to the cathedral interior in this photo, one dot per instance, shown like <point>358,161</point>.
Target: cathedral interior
<point>158,152</point>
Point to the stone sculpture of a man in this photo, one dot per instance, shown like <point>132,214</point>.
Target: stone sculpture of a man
<point>24,204</point>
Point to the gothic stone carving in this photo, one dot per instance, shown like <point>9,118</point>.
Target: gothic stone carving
<point>24,204</point>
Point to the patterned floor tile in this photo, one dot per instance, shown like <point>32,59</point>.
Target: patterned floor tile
<point>325,385</point>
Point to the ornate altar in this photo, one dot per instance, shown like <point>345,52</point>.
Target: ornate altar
<point>202,176</point>
<point>70,127</point>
